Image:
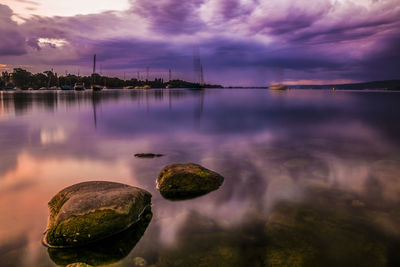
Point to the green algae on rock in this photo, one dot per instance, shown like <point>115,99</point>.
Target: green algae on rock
<point>106,251</point>
<point>87,212</point>
<point>187,180</point>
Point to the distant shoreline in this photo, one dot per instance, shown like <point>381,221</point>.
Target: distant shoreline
<point>49,80</point>
<point>374,85</point>
<point>198,89</point>
<point>20,79</point>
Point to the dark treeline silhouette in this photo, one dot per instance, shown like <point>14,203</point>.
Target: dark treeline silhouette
<point>24,80</point>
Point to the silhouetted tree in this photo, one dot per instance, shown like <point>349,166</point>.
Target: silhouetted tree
<point>21,78</point>
<point>39,80</point>
<point>51,78</point>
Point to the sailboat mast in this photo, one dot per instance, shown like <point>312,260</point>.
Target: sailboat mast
<point>201,75</point>
<point>94,63</point>
<point>94,69</point>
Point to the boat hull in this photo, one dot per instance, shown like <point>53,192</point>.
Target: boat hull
<point>79,87</point>
<point>277,87</point>
<point>66,88</point>
<point>97,88</point>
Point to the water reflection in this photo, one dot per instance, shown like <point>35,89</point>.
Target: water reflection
<point>327,228</point>
<point>104,252</point>
<point>322,168</point>
<point>20,103</point>
<point>181,197</point>
<point>331,228</point>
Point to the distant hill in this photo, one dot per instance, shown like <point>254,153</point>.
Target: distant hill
<point>382,85</point>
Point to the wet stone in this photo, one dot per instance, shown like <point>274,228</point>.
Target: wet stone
<point>187,180</point>
<point>139,262</point>
<point>87,212</point>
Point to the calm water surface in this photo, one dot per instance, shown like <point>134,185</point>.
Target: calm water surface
<point>312,177</point>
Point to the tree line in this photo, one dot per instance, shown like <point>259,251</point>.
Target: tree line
<point>25,80</point>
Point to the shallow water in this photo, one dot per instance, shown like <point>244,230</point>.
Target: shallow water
<point>312,177</point>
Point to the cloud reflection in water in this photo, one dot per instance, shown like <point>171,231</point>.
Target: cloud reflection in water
<point>271,149</point>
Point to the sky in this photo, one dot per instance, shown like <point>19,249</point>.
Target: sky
<point>239,42</point>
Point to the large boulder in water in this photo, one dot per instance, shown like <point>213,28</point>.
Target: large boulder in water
<point>187,180</point>
<point>91,211</point>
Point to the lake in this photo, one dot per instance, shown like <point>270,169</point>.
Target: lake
<point>312,177</point>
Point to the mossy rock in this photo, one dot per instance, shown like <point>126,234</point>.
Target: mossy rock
<point>87,212</point>
<point>187,180</point>
<point>139,262</point>
<point>106,251</point>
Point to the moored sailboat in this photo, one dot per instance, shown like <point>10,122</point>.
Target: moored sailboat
<point>8,88</point>
<point>278,87</point>
<point>94,86</point>
<point>79,86</point>
<point>66,87</point>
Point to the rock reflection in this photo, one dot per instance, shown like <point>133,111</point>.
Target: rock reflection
<point>106,251</point>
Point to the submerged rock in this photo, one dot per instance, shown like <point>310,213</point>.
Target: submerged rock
<point>106,251</point>
<point>87,212</point>
<point>139,261</point>
<point>148,155</point>
<point>187,180</point>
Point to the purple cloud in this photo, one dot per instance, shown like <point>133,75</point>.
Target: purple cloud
<point>288,18</point>
<point>170,16</point>
<point>12,41</point>
<point>353,31</point>
<point>240,42</point>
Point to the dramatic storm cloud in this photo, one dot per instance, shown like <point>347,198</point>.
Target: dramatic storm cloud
<point>240,42</point>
